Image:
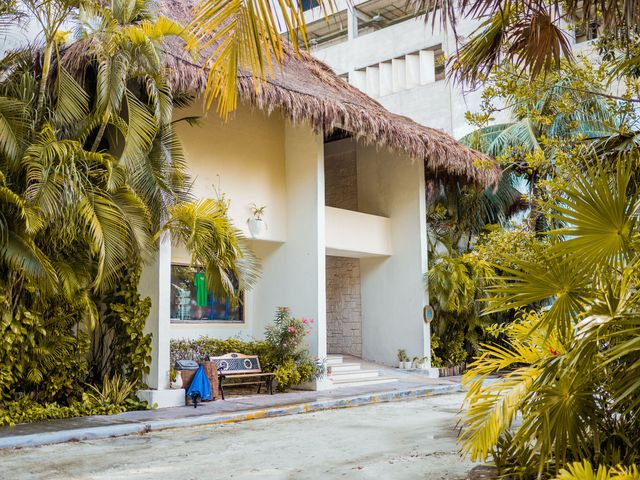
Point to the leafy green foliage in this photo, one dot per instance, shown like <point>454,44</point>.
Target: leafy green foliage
<point>28,411</point>
<point>90,171</point>
<point>114,392</point>
<point>459,283</point>
<point>43,354</point>
<point>585,471</point>
<point>569,373</point>
<point>120,346</point>
<point>283,351</point>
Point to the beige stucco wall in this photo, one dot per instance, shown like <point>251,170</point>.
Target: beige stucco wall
<point>255,158</point>
<point>244,159</point>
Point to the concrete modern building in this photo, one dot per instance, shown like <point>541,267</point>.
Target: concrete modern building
<point>343,184</point>
<point>382,48</point>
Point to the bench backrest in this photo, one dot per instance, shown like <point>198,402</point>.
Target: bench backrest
<point>237,363</point>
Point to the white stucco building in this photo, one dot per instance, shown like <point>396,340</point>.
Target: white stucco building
<point>383,49</point>
<point>343,183</point>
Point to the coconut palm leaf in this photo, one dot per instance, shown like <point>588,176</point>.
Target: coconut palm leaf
<point>204,229</point>
<point>482,138</point>
<point>23,255</point>
<point>140,130</point>
<point>72,104</point>
<point>14,123</point>
<point>241,37</point>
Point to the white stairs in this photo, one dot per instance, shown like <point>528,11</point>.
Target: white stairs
<point>351,373</point>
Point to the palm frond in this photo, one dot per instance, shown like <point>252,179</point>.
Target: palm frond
<point>72,100</point>
<point>203,228</point>
<point>242,38</point>
<point>600,214</point>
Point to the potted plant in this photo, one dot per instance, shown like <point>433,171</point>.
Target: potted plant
<point>402,358</point>
<point>256,223</point>
<point>175,377</point>
<point>423,363</point>
<point>408,364</point>
<point>416,362</point>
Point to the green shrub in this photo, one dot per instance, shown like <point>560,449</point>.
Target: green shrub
<point>44,367</point>
<point>43,351</point>
<point>120,346</point>
<point>283,351</point>
<point>29,411</point>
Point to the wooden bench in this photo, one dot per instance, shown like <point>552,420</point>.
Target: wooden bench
<point>242,370</point>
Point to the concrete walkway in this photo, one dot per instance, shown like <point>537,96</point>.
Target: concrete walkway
<point>234,409</point>
<point>409,440</point>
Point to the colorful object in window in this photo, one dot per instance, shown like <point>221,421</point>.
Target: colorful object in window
<point>202,294</point>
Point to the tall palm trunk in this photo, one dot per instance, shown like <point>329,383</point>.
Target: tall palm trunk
<point>46,67</point>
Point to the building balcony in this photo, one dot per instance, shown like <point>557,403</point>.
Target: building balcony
<point>356,234</point>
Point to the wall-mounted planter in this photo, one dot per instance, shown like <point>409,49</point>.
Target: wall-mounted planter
<point>257,227</point>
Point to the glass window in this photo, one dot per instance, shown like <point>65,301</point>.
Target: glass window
<point>191,300</point>
<point>309,4</point>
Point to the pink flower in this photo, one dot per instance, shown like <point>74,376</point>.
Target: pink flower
<point>311,320</point>
<point>291,329</point>
<point>305,321</point>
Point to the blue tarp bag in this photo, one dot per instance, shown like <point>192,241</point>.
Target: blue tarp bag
<point>200,388</point>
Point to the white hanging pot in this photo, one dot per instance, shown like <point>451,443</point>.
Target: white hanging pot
<point>257,226</point>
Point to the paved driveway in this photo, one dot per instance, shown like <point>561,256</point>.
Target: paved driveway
<point>399,440</point>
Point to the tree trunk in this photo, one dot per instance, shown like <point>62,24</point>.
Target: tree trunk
<point>46,67</point>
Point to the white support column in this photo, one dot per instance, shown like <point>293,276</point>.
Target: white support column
<point>427,67</point>
<point>358,78</point>
<point>155,283</point>
<point>412,63</point>
<point>304,152</point>
<point>399,70</point>
<point>352,22</point>
<point>294,272</point>
<point>373,81</point>
<point>386,78</point>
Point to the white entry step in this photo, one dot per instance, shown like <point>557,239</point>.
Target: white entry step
<point>351,374</point>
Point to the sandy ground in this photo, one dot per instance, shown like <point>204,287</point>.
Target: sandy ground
<point>400,440</point>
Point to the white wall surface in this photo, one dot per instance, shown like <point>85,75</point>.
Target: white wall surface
<point>245,158</point>
<point>355,234</point>
<point>393,292</point>
<point>435,103</point>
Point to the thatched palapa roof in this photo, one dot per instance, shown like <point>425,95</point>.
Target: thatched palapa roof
<point>305,89</point>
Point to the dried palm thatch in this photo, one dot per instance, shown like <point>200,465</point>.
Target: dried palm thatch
<point>307,90</point>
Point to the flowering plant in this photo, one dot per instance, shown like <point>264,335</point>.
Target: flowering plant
<point>289,352</point>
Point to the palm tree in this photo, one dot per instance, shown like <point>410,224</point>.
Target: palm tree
<point>529,34</point>
<point>550,118</point>
<point>244,37</point>
<point>570,373</point>
<point>91,173</point>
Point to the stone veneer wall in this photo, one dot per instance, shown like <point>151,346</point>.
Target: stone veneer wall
<point>344,306</point>
<point>340,180</point>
